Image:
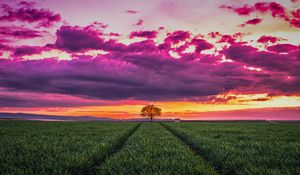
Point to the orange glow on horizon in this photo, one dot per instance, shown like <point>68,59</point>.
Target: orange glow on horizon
<point>182,109</point>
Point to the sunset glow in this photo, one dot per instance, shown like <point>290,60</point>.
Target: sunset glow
<point>196,60</point>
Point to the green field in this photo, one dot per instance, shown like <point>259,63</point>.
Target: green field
<point>32,147</point>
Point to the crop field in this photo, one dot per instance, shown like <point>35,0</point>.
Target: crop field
<point>29,147</point>
<point>244,148</point>
<point>33,147</point>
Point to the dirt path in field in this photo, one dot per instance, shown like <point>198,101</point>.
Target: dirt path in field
<point>195,150</point>
<point>113,149</point>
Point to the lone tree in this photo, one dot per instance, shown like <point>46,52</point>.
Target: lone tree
<point>150,111</point>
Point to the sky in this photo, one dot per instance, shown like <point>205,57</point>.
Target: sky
<point>225,59</point>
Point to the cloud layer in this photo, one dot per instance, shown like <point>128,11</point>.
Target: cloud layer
<point>91,63</point>
<point>146,71</point>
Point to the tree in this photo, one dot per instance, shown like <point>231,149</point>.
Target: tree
<point>150,111</point>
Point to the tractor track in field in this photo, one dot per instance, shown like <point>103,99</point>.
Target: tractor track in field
<point>191,146</point>
<point>115,148</point>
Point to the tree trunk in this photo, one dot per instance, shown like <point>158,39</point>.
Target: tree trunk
<point>151,118</point>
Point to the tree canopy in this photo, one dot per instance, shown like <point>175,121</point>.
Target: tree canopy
<point>151,111</point>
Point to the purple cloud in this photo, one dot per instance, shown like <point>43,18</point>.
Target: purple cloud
<point>131,11</point>
<point>19,32</point>
<point>144,34</point>
<point>244,11</point>
<point>275,9</point>
<point>268,60</point>
<point>115,76</point>
<point>177,36</point>
<point>139,22</point>
<point>145,71</point>
<point>201,45</point>
<point>28,50</point>
<point>266,39</point>
<point>254,21</point>
<point>283,48</point>
<point>31,99</point>
<point>27,3</point>
<point>153,75</point>
<point>29,14</point>
<point>77,39</point>
<point>143,46</point>
<point>227,39</point>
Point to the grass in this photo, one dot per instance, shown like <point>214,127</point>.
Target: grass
<point>32,147</point>
<point>245,148</point>
<point>154,150</point>
<point>28,147</point>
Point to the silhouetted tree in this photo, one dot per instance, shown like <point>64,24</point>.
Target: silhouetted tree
<point>150,111</point>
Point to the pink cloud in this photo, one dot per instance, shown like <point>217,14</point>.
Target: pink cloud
<point>101,76</point>
<point>131,11</point>
<point>283,48</point>
<point>176,37</point>
<point>276,10</point>
<point>144,34</point>
<point>295,22</point>
<point>19,32</point>
<point>244,11</point>
<point>145,70</point>
<point>114,34</point>
<point>266,39</point>
<point>161,28</point>
<point>254,21</point>
<point>227,39</point>
<point>184,65</point>
<point>272,61</point>
<point>28,14</point>
<point>261,6</point>
<point>214,34</point>
<point>139,22</point>
<point>96,26</point>
<point>296,13</point>
<point>201,45</point>
<point>28,50</point>
<point>4,46</point>
<point>142,46</point>
<point>77,39</point>
<point>23,99</point>
<point>27,3</point>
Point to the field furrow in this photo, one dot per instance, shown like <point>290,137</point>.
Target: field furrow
<point>28,147</point>
<point>154,150</point>
<point>98,160</point>
<point>188,143</point>
<point>244,148</point>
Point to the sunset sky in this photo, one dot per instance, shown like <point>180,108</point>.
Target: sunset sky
<point>225,59</point>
